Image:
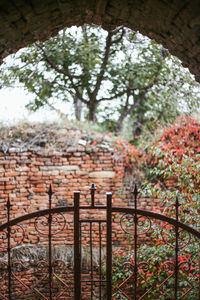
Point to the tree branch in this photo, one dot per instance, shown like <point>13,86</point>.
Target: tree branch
<point>116,41</point>
<point>72,93</point>
<point>51,106</point>
<point>123,115</point>
<point>129,90</point>
<point>103,65</point>
<point>85,69</point>
<point>54,66</point>
<point>64,72</point>
<point>109,42</point>
<point>114,96</point>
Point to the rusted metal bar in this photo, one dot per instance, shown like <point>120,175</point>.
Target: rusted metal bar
<point>92,220</point>
<point>199,270</point>
<point>100,261</point>
<point>176,269</point>
<point>9,249</point>
<point>109,246</point>
<point>96,279</point>
<point>27,287</point>
<point>91,261</point>
<point>77,261</point>
<point>118,209</point>
<point>80,245</point>
<point>156,216</point>
<point>92,278</point>
<point>135,192</point>
<point>50,193</point>
<point>92,191</point>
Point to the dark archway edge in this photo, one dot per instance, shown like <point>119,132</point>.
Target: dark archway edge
<point>174,23</point>
<point>116,209</point>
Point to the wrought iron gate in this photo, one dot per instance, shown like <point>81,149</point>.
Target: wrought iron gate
<point>52,278</point>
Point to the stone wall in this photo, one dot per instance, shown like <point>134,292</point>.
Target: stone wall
<point>175,24</point>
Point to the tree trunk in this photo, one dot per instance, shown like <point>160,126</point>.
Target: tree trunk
<point>120,121</point>
<point>137,126</point>
<point>138,123</point>
<point>92,106</point>
<point>77,108</point>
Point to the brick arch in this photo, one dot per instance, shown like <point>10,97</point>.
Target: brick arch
<point>175,24</point>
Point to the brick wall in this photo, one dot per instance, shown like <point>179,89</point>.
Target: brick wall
<point>25,178</point>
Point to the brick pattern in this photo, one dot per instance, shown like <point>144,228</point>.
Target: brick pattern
<point>28,176</point>
<point>25,179</point>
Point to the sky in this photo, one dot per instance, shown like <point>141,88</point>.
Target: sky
<point>12,108</point>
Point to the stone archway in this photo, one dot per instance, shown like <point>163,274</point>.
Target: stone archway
<point>174,23</point>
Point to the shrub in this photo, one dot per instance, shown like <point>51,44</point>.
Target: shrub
<point>171,166</point>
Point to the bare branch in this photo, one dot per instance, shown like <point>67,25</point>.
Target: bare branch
<point>116,30</point>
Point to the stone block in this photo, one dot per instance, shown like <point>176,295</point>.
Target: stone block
<point>102,174</point>
<point>59,169</point>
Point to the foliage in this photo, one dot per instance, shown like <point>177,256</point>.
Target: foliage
<point>171,166</point>
<point>155,265</point>
<point>173,162</point>
<point>108,76</point>
<point>127,153</point>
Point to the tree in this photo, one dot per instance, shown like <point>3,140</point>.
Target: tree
<point>71,66</point>
<point>169,90</point>
<point>116,74</point>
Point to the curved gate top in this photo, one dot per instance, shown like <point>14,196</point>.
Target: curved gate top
<point>98,252</point>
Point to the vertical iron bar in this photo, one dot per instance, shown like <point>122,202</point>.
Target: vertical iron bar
<point>92,190</point>
<point>9,248</point>
<point>199,265</point>
<point>176,251</point>
<point>50,193</point>
<point>100,262</point>
<point>80,244</point>
<point>199,271</point>
<point>135,192</point>
<point>77,261</point>
<point>91,260</point>
<point>109,247</point>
